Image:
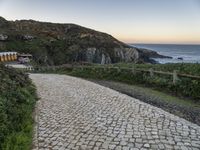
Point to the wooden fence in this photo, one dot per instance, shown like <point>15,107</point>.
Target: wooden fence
<point>175,75</point>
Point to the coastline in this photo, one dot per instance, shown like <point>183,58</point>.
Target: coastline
<point>179,53</point>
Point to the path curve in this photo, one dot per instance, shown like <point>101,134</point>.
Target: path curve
<point>78,114</point>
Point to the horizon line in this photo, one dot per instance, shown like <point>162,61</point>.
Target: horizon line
<point>132,43</point>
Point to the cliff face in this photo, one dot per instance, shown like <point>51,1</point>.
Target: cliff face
<point>56,44</point>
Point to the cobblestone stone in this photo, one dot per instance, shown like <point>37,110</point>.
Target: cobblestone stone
<point>76,114</point>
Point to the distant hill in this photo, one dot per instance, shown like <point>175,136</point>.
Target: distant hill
<point>55,44</point>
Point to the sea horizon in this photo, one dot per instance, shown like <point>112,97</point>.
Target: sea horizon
<point>180,53</point>
<point>162,44</point>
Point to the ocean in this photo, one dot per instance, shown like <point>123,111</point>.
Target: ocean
<point>189,53</point>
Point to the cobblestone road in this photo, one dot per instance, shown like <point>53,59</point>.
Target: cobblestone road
<point>78,114</point>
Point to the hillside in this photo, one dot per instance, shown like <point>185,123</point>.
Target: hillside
<point>55,44</point>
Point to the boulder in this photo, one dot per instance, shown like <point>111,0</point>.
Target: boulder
<point>28,37</point>
<point>3,37</point>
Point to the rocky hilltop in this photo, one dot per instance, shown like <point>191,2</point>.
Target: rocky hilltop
<point>55,44</point>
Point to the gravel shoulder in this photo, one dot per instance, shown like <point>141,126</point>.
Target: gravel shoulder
<point>77,114</point>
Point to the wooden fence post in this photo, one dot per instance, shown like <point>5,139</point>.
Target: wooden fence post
<point>53,68</point>
<point>108,70</point>
<point>133,70</point>
<point>118,69</point>
<point>151,72</point>
<point>175,77</point>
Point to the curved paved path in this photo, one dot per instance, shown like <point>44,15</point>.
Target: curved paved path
<point>78,114</point>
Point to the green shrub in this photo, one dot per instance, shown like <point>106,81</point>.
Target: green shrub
<point>17,99</point>
<point>185,87</point>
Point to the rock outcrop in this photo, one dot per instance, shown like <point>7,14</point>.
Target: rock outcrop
<point>65,43</point>
<point>3,37</point>
<point>152,54</point>
<point>28,37</point>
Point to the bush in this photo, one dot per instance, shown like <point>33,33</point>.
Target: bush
<point>17,99</point>
<point>185,87</point>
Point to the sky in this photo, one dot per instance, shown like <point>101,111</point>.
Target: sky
<point>131,21</point>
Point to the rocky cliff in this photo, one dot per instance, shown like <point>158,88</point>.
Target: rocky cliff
<point>55,44</point>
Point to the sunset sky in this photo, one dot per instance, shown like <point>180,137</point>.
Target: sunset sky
<point>132,21</point>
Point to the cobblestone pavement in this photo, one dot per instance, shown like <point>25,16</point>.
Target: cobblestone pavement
<point>78,114</point>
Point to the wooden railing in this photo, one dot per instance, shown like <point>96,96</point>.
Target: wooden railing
<point>26,69</point>
<point>175,75</point>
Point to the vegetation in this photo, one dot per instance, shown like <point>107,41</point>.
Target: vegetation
<point>17,99</point>
<point>185,87</point>
<point>184,68</point>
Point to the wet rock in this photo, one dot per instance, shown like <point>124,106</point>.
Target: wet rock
<point>180,58</point>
